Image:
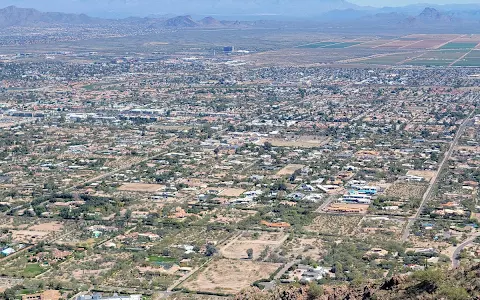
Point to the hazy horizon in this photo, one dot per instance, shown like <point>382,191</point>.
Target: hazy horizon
<point>210,7</point>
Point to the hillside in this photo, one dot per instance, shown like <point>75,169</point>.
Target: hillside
<point>428,285</point>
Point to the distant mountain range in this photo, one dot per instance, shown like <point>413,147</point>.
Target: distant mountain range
<point>14,16</point>
<point>411,16</point>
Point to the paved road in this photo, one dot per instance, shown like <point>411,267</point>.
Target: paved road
<point>434,179</point>
<point>285,269</point>
<point>270,285</point>
<point>454,258</point>
<point>327,202</point>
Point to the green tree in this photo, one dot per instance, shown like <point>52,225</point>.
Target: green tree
<point>250,253</point>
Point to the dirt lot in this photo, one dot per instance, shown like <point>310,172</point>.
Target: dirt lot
<point>28,235</point>
<point>334,224</point>
<point>238,250</point>
<point>428,175</point>
<point>406,190</point>
<point>230,276</point>
<point>300,142</point>
<point>231,192</point>
<point>289,170</point>
<point>52,226</point>
<point>141,187</point>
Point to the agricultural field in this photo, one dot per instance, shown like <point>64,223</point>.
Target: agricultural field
<point>227,276</point>
<point>341,45</point>
<point>471,59</point>
<point>317,45</point>
<point>458,45</point>
<point>330,224</point>
<point>390,59</point>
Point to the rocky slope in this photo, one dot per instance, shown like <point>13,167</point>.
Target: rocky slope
<point>426,285</point>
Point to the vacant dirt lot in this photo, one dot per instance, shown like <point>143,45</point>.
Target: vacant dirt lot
<point>258,243</point>
<point>232,192</point>
<point>141,187</point>
<point>230,276</point>
<point>52,226</point>
<point>289,170</point>
<point>28,235</point>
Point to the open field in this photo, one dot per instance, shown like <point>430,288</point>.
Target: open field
<point>140,187</point>
<point>230,276</point>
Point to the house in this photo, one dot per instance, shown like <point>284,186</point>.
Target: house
<point>309,274</point>
<point>98,296</point>
<point>60,255</point>
<point>296,196</point>
<point>151,236</point>
<point>47,295</point>
<point>7,251</point>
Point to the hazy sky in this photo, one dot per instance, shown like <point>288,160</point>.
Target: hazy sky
<point>382,3</point>
<point>146,7</point>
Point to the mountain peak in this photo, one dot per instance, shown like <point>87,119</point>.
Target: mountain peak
<point>181,21</point>
<point>210,21</point>
<point>430,13</point>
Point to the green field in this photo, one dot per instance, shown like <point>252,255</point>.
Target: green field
<point>430,62</point>
<point>459,46</point>
<point>443,55</point>
<point>32,270</point>
<point>389,59</point>
<point>341,45</point>
<point>468,62</point>
<point>317,45</point>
